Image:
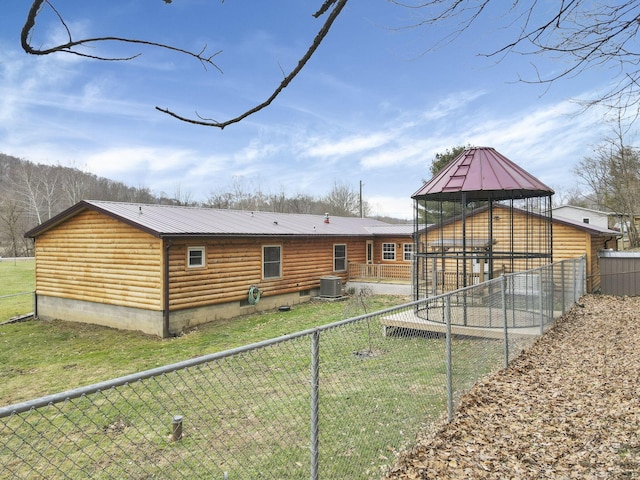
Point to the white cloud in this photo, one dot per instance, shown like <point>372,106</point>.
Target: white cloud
<point>450,104</point>
<point>349,145</point>
<point>392,206</point>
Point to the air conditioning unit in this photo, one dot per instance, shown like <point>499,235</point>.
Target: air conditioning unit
<point>330,287</point>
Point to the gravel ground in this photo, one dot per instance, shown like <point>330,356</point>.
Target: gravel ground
<point>567,408</point>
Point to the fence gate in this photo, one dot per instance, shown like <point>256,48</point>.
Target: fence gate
<point>620,273</point>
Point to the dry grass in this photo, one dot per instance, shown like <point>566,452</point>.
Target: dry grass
<point>567,408</point>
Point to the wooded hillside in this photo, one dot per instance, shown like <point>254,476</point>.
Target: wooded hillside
<point>32,193</point>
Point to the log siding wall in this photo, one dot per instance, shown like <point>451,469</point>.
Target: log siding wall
<point>507,237</point>
<point>96,269</point>
<point>399,240</point>
<point>568,242</point>
<point>95,258</point>
<point>233,265</point>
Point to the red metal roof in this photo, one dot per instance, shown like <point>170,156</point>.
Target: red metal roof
<point>482,173</point>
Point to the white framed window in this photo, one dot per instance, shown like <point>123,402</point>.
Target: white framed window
<point>388,251</point>
<point>271,261</point>
<point>195,257</point>
<point>407,250</point>
<point>339,257</point>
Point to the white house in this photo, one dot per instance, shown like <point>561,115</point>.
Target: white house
<point>584,215</point>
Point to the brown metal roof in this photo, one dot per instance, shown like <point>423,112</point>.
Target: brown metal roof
<point>166,220</point>
<point>481,173</point>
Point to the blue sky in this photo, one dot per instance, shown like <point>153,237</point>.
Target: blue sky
<point>374,104</point>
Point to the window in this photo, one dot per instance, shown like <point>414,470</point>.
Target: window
<point>271,261</point>
<point>195,257</point>
<point>408,250</point>
<point>388,251</point>
<point>339,258</point>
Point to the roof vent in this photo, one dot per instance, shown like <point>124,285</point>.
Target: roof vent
<point>326,218</point>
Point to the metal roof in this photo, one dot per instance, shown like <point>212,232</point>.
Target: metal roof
<point>391,229</point>
<point>582,209</point>
<point>481,173</point>
<point>167,220</point>
<point>589,227</point>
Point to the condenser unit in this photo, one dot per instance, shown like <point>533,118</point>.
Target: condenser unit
<point>330,287</point>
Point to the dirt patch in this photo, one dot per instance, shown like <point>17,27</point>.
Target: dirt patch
<point>567,408</point>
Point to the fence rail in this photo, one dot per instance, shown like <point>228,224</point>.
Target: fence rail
<point>331,402</point>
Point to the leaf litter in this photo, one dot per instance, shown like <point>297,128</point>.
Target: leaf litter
<point>567,408</point>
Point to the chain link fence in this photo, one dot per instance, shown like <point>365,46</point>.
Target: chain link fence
<point>332,402</point>
<point>17,285</point>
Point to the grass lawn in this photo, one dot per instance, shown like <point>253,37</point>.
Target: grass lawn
<point>39,358</point>
<point>17,283</point>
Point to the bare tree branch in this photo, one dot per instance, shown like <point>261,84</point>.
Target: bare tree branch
<point>590,35</point>
<point>322,33</point>
<point>69,46</point>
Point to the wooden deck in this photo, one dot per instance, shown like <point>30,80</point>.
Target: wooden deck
<point>481,322</point>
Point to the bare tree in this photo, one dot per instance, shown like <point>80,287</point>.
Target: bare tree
<point>613,174</point>
<point>74,185</point>
<point>11,227</point>
<point>37,189</point>
<point>343,201</point>
<point>582,33</point>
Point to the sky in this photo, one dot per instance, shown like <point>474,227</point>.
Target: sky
<point>373,106</point>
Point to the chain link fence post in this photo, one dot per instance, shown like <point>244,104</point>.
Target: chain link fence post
<point>315,402</point>
<point>448,353</point>
<point>503,295</point>
<point>541,300</point>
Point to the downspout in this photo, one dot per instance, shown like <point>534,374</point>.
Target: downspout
<point>165,288</point>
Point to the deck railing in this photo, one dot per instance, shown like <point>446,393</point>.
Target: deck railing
<point>379,271</point>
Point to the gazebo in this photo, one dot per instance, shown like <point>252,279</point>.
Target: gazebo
<point>481,216</point>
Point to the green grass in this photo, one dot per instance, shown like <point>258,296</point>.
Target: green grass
<point>39,358</point>
<point>17,283</point>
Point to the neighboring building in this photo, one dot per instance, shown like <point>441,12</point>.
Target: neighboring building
<point>162,269</point>
<point>585,215</point>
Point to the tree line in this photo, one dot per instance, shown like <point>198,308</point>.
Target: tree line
<point>32,193</point>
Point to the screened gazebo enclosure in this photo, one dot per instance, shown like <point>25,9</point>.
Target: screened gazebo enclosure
<point>480,217</point>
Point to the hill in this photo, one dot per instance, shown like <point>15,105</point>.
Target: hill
<point>31,193</point>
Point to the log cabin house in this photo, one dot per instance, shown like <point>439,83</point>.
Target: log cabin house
<point>163,269</point>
